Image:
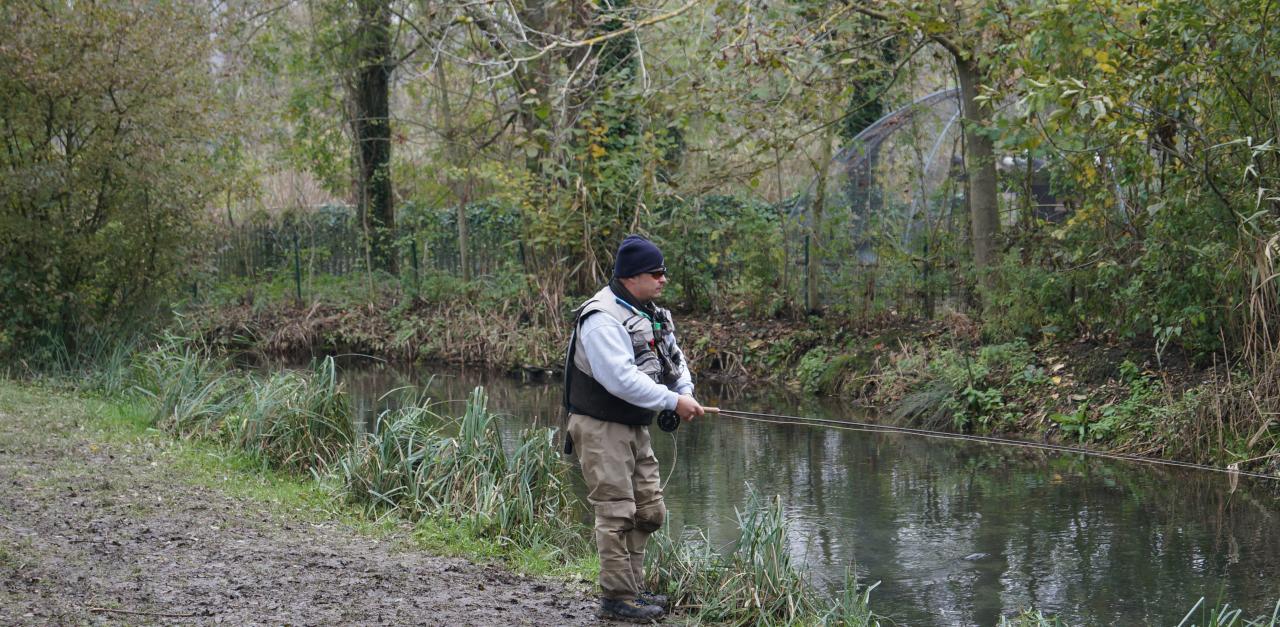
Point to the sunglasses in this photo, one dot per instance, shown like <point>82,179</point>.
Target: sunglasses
<point>658,274</point>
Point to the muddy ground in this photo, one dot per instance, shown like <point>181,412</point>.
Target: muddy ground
<point>103,530</point>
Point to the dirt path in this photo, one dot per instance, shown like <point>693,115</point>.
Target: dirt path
<point>88,525</point>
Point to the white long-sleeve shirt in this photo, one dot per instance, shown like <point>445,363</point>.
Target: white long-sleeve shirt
<point>607,347</point>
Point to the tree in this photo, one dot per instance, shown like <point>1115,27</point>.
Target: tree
<point>957,28</point>
<point>110,147</point>
<point>371,63</point>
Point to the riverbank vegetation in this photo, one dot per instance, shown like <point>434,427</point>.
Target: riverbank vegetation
<point>944,375</point>
<point>462,491</point>
<point>465,490</point>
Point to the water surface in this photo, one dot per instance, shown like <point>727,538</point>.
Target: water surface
<point>955,532</point>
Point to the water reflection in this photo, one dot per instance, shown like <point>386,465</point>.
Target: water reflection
<point>957,533</point>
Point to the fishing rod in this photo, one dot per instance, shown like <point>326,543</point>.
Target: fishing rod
<point>668,421</point>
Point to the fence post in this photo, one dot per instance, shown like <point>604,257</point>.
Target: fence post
<point>808,277</point>
<point>927,272</point>
<point>297,266</point>
<point>417,276</point>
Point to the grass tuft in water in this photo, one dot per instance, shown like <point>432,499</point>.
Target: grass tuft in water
<point>755,581</point>
<point>1226,616</point>
<point>1200,615</point>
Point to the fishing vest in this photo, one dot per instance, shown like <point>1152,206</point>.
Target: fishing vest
<point>652,339</point>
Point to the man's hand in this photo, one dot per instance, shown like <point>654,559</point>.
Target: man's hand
<point>687,408</point>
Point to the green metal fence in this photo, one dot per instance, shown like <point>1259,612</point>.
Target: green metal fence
<point>329,241</point>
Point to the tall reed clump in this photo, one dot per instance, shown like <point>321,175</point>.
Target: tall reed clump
<point>99,362</point>
<point>755,581</point>
<point>192,393</point>
<point>297,420</point>
<point>428,466</point>
<point>1200,615</point>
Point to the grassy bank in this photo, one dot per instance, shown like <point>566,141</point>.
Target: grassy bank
<point>463,491</point>
<point>1102,393</point>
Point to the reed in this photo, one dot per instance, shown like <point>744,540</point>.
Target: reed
<point>191,392</point>
<point>101,362</point>
<point>1200,615</point>
<point>755,581</point>
<point>295,420</point>
<point>426,465</point>
<point>1226,616</point>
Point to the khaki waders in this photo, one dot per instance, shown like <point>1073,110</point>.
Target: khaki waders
<point>621,473</point>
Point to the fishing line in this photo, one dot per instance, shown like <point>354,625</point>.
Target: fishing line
<point>862,427</point>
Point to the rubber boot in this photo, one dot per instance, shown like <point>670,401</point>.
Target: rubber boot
<point>630,610</point>
<point>659,600</point>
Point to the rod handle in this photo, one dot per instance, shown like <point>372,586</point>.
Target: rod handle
<point>711,410</point>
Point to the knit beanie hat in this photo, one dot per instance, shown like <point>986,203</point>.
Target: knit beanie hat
<point>637,255</point>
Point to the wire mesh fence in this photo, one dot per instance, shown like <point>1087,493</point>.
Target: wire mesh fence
<point>891,234</point>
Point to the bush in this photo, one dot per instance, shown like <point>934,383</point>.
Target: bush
<point>110,160</point>
<point>724,253</point>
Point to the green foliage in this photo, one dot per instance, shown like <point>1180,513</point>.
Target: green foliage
<point>1131,418</point>
<point>1075,423</point>
<point>986,392</point>
<point>1163,292</point>
<point>976,406</point>
<point>812,367</point>
<point>723,253</point>
<point>1156,156</point>
<point>108,160</point>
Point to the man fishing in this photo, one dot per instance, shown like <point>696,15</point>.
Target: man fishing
<point>623,366</point>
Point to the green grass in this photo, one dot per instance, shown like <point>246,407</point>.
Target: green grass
<point>755,581</point>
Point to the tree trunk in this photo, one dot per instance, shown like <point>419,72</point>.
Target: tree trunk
<point>813,286</point>
<point>372,128</point>
<point>980,162</point>
<point>461,188</point>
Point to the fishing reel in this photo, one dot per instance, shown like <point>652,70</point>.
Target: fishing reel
<point>668,420</point>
